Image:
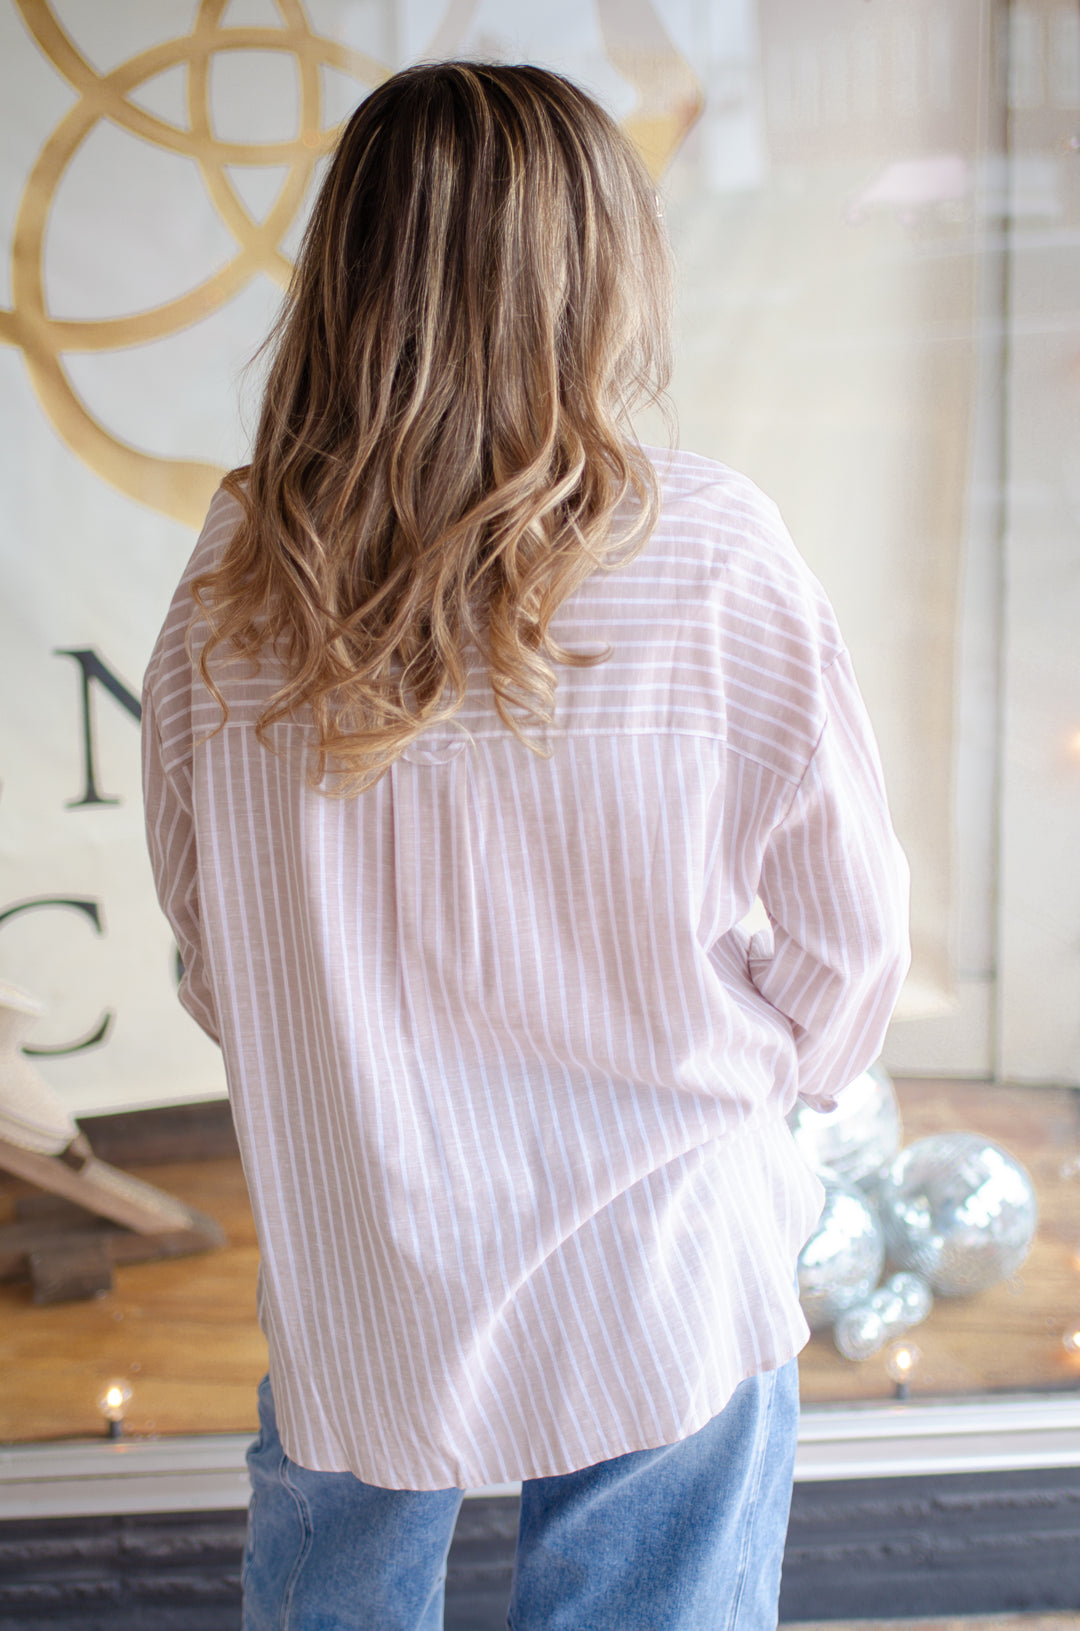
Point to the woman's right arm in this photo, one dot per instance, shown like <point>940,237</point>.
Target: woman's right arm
<point>834,883</point>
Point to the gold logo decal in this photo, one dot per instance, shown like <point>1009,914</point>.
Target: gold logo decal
<point>670,101</point>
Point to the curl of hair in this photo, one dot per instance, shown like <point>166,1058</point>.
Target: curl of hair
<point>443,452</point>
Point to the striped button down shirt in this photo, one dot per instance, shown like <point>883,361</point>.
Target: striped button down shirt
<point>509,1079</point>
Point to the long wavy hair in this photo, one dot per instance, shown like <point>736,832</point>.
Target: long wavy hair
<point>481,299</point>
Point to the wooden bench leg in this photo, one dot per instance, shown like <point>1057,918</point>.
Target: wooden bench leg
<point>71,1275</point>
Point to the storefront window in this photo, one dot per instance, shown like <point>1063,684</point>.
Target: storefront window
<point>876,215</point>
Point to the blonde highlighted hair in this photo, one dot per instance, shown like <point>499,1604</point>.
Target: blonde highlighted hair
<point>481,299</point>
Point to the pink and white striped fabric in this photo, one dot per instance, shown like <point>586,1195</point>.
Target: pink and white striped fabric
<point>509,1079</point>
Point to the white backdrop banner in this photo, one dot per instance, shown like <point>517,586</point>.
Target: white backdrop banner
<point>156,168</point>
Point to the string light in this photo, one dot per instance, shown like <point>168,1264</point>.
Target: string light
<point>112,1402</point>
<point>900,1361</point>
<point>1071,1340</point>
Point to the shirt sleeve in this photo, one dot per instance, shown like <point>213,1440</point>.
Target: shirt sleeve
<point>170,837</point>
<point>834,883</point>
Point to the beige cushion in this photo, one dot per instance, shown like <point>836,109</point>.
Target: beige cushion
<point>32,1114</point>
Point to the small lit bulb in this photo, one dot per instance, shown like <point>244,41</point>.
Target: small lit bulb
<point>1071,1340</point>
<point>900,1360</point>
<point>112,1403</point>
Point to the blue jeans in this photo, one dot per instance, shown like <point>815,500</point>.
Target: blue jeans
<point>688,1537</point>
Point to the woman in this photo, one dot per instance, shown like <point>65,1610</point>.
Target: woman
<point>471,736</point>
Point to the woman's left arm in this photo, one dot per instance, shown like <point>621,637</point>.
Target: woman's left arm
<point>170,837</point>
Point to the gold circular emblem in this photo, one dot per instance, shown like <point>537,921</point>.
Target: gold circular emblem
<point>182,488</point>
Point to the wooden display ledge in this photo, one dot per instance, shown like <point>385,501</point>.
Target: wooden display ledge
<point>183,1334</point>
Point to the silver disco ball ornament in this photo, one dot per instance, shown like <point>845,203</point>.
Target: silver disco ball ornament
<point>958,1210</point>
<point>840,1263</point>
<point>857,1139</point>
<point>893,1308</point>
